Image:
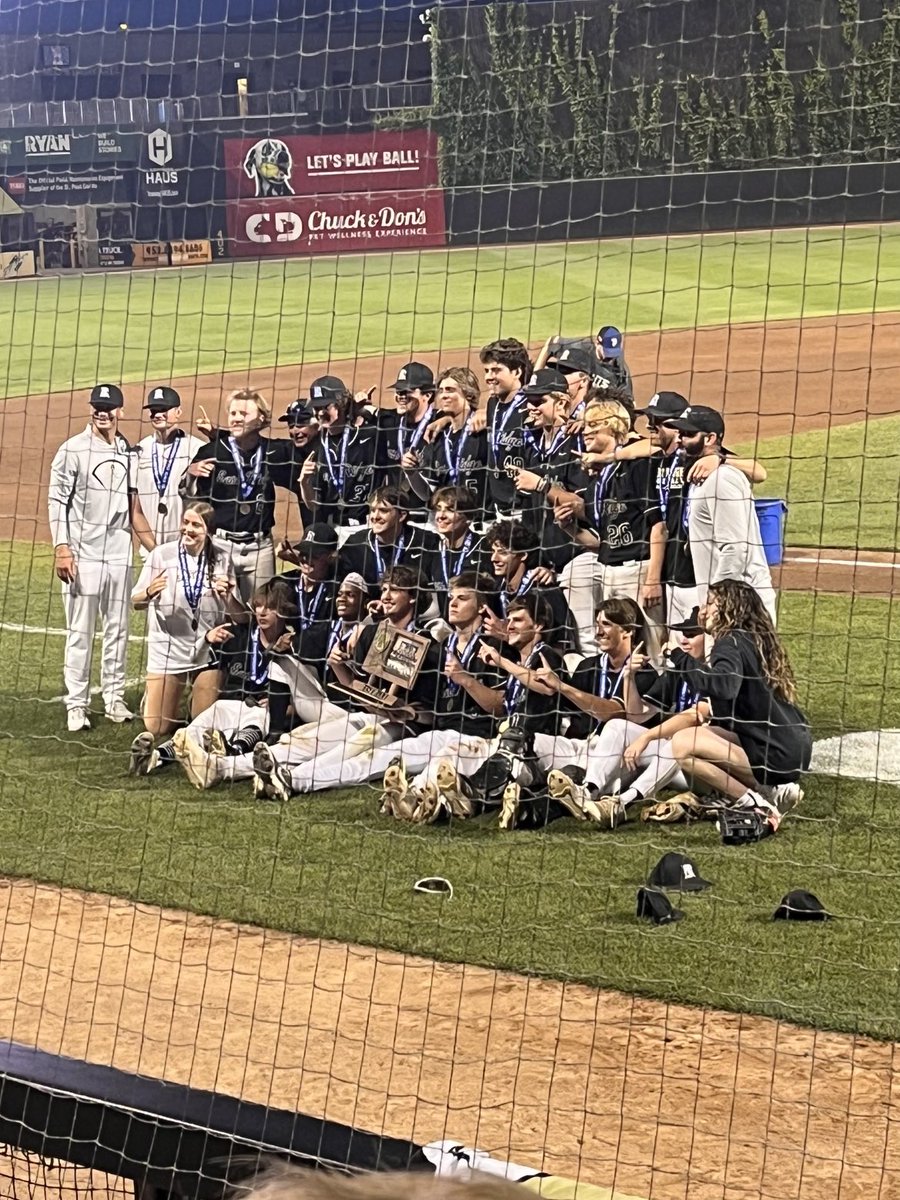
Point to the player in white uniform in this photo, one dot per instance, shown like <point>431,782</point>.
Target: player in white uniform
<point>93,511</point>
<point>162,459</point>
<point>187,588</point>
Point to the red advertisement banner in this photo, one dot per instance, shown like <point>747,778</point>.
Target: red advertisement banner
<point>332,224</point>
<point>272,166</point>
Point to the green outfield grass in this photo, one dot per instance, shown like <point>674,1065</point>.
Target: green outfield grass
<point>70,332</point>
<point>559,903</point>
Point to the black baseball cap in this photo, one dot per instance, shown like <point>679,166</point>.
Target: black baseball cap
<point>690,624</point>
<point>326,390</point>
<point>414,375</point>
<point>697,418</point>
<point>679,872</point>
<point>545,381</point>
<point>801,906</point>
<point>298,413</point>
<point>575,358</point>
<point>161,399</point>
<point>665,406</point>
<point>106,397</point>
<point>656,907</point>
<point>318,539</point>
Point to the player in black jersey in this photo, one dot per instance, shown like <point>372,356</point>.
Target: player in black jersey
<point>303,434</point>
<point>611,353</point>
<point>457,455</point>
<point>403,430</point>
<point>358,731</point>
<point>388,541</point>
<point>506,369</point>
<point>513,547</point>
<point>350,460</point>
<point>631,760</point>
<point>250,706</point>
<point>621,521</point>
<point>551,459</point>
<point>459,547</point>
<point>236,474</point>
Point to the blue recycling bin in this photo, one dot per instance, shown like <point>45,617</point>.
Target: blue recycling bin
<point>771,515</point>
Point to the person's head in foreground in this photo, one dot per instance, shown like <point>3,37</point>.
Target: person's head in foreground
<point>350,599</point>
<point>273,605</point>
<point>606,425</point>
<point>700,431</point>
<point>470,594</point>
<point>458,392</point>
<point>454,510</point>
<point>331,402</point>
<point>621,626</point>
<point>690,635</point>
<point>301,423</point>
<point>735,607</point>
<point>106,401</point>
<point>506,366</point>
<point>511,543</point>
<point>388,514</point>
<point>197,527</point>
<point>527,620</point>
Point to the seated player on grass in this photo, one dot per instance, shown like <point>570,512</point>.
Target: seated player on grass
<point>312,755</point>
<point>523,710</point>
<point>462,708</point>
<point>756,743</point>
<point>250,704</point>
<point>634,750</point>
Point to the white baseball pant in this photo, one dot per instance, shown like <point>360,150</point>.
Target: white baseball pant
<point>657,765</point>
<point>99,590</point>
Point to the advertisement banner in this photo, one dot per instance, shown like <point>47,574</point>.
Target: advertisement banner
<point>378,161</point>
<point>16,264</point>
<point>186,253</point>
<point>71,166</point>
<point>150,254</point>
<point>115,254</point>
<point>332,224</point>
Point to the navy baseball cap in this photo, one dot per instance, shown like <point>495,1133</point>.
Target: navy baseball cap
<point>298,413</point>
<point>414,375</point>
<point>106,397</point>
<point>697,418</point>
<point>326,390</point>
<point>665,406</point>
<point>610,341</point>
<point>161,399</point>
<point>545,381</point>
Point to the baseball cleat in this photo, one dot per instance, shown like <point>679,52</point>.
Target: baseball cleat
<point>394,787</point>
<point>118,712</point>
<point>274,777</point>
<point>605,811</point>
<point>510,806</point>
<point>214,742</point>
<point>788,796</point>
<point>77,719</point>
<point>144,756</point>
<point>194,760</point>
<point>571,795</point>
<point>430,804</point>
<point>454,789</point>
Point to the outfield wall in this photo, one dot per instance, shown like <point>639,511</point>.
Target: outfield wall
<point>678,203</point>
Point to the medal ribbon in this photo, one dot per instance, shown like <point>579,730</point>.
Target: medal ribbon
<point>308,614</point>
<point>417,434</point>
<point>397,556</point>
<point>259,668</point>
<point>454,460</point>
<point>193,588</point>
<point>464,659</point>
<point>339,636</point>
<point>458,566</point>
<point>600,494</point>
<point>510,407</point>
<point>162,472</point>
<point>515,687</point>
<point>506,599</point>
<point>247,481</point>
<point>664,481</point>
<point>337,479</point>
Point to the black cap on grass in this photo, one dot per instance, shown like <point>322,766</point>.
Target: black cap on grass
<point>655,906</point>
<point>677,871</point>
<point>801,906</point>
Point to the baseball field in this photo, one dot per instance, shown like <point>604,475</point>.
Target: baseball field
<point>795,335</point>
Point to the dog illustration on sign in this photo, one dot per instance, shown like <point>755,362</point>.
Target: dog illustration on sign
<point>269,164</point>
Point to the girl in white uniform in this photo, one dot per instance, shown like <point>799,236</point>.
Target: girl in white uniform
<point>187,587</point>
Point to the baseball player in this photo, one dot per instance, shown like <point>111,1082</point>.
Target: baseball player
<point>388,541</point>
<point>93,512</point>
<point>457,455</point>
<point>719,514</point>
<point>303,433</point>
<point>233,473</point>
<point>162,458</point>
<point>507,367</point>
<point>612,357</point>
